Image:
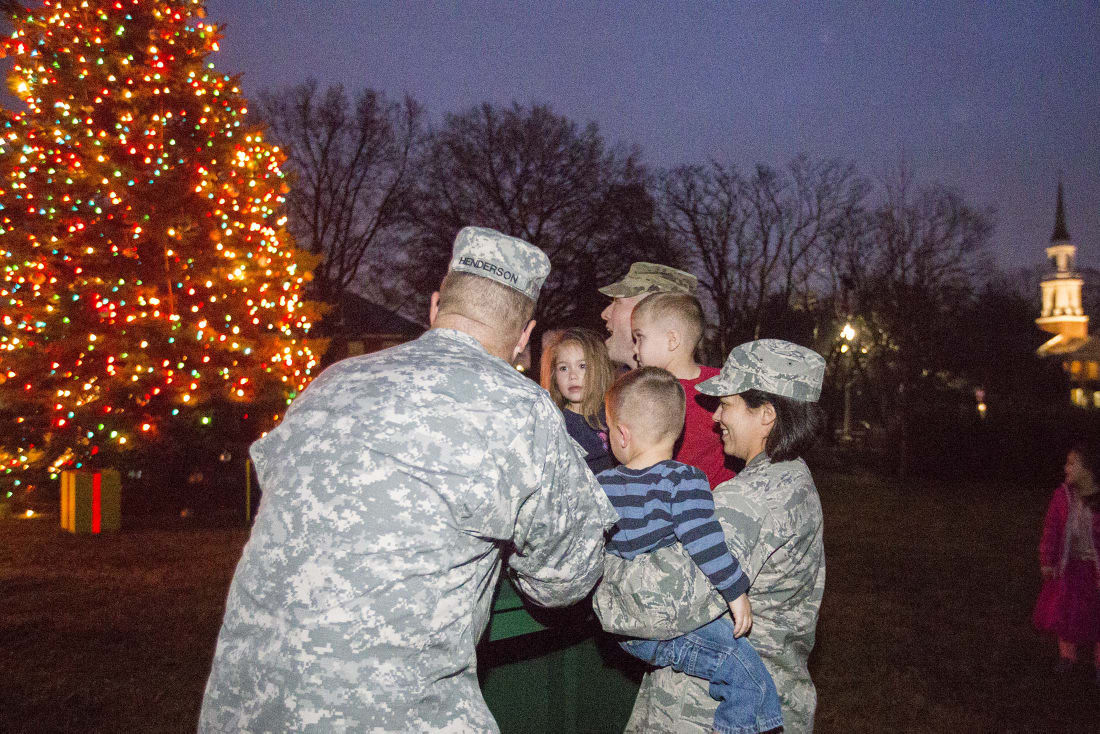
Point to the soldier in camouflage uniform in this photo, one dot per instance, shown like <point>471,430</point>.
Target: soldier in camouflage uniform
<point>641,280</point>
<point>771,516</point>
<point>389,491</point>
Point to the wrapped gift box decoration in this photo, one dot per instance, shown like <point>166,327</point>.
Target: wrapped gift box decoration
<point>90,501</point>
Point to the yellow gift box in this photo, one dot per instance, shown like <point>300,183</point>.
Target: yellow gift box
<point>91,502</point>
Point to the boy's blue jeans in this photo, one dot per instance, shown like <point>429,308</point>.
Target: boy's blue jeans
<point>746,695</point>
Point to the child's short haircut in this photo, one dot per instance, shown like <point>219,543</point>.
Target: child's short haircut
<point>685,310</point>
<point>651,401</point>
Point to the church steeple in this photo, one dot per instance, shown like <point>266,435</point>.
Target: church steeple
<point>1063,316</point>
<point>1061,234</point>
<point>1062,310</point>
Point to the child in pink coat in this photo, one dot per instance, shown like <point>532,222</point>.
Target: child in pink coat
<point>1069,602</point>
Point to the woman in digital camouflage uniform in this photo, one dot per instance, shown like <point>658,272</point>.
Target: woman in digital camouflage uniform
<point>771,516</point>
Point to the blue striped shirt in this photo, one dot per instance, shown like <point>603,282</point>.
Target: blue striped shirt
<point>666,503</point>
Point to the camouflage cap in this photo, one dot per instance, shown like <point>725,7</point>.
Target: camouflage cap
<point>651,278</point>
<point>507,260</point>
<point>773,366</point>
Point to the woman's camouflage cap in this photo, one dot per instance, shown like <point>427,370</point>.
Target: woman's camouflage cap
<point>651,278</point>
<point>507,260</point>
<point>773,366</point>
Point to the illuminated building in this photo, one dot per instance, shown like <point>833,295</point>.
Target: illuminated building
<point>1063,316</point>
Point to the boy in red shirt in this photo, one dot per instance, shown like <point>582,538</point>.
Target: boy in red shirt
<point>666,328</point>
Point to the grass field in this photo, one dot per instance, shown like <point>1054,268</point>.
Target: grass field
<point>925,625</point>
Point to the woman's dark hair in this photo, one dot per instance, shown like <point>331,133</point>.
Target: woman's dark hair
<point>1089,451</point>
<point>796,424</point>
<point>1090,455</point>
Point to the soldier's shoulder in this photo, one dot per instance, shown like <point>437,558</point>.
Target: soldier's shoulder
<point>765,488</point>
<point>367,363</point>
<point>448,367</point>
<point>796,504</point>
<point>503,383</point>
<point>335,379</point>
<point>462,365</point>
<point>793,476</point>
<point>778,484</point>
<point>793,470</point>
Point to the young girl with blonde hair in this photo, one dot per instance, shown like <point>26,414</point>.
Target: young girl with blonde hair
<point>577,372</point>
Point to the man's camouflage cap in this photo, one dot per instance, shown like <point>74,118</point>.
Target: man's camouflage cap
<point>773,366</point>
<point>651,278</point>
<point>507,260</point>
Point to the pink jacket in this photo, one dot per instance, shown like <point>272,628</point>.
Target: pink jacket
<point>1054,545</point>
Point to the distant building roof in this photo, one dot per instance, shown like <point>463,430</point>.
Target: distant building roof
<point>358,316</point>
<point>1071,347</point>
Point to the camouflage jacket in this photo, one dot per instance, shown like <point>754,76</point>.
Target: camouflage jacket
<point>389,491</point>
<point>771,515</point>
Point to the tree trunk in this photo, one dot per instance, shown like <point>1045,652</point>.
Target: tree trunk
<point>903,432</point>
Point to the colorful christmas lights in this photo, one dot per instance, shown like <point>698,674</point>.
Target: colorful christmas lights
<point>145,274</point>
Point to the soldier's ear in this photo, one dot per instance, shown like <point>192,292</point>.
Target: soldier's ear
<point>523,339</point>
<point>767,416</point>
<point>433,309</point>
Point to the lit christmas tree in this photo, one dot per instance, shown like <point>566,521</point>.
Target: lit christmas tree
<point>149,291</point>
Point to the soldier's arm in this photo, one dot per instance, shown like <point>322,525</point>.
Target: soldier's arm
<point>663,594</point>
<point>559,536</point>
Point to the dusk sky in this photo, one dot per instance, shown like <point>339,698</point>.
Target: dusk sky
<point>995,97</point>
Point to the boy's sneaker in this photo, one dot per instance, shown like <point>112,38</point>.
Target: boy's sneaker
<point>1063,666</point>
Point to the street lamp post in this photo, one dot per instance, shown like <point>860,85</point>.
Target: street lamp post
<point>848,333</point>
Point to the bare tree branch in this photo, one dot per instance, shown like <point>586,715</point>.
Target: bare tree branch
<point>758,242</point>
<point>352,173</point>
<point>535,175</point>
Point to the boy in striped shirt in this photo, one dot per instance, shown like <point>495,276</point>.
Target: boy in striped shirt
<point>660,502</point>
